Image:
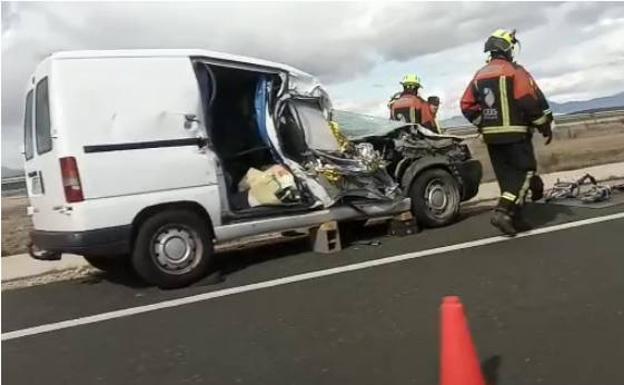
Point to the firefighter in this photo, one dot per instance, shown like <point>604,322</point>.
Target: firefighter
<point>408,106</point>
<point>506,105</point>
<point>434,106</point>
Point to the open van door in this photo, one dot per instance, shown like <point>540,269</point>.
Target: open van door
<point>42,167</point>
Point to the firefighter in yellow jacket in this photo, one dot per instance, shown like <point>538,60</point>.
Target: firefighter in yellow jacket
<point>505,104</point>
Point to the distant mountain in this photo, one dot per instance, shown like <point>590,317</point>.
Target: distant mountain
<point>581,106</point>
<point>598,104</point>
<point>9,172</point>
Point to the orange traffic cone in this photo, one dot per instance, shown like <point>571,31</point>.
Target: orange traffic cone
<point>459,364</point>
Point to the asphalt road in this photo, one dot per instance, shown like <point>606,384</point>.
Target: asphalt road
<point>549,306</point>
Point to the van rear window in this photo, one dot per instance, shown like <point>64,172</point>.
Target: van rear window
<point>42,117</point>
<point>29,148</point>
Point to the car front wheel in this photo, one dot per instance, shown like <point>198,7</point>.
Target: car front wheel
<point>173,249</point>
<point>435,197</point>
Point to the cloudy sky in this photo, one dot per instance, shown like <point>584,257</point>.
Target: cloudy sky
<point>359,50</point>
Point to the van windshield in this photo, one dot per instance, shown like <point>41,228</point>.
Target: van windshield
<point>315,125</point>
<point>28,136</point>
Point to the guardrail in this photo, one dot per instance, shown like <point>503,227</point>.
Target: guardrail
<point>14,186</point>
<point>559,119</point>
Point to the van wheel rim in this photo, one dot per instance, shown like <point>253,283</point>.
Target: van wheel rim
<point>438,197</point>
<point>176,249</point>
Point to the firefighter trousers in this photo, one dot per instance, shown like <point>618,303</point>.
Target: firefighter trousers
<point>514,165</point>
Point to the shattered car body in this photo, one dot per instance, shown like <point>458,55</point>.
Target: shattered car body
<point>289,125</point>
<point>436,171</point>
<point>343,170</point>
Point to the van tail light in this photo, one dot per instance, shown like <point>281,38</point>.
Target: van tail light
<point>71,180</point>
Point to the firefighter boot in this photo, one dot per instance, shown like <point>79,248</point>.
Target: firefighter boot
<point>504,222</point>
<point>519,222</point>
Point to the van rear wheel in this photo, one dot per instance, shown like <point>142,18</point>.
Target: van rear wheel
<point>173,249</point>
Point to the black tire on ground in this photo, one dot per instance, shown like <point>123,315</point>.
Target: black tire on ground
<point>435,198</point>
<point>112,264</point>
<point>173,249</point>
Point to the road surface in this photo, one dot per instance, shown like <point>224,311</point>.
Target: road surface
<point>548,305</point>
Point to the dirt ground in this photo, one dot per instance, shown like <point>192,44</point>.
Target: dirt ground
<point>15,225</point>
<point>563,154</point>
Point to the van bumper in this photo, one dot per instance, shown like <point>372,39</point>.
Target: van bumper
<point>470,173</point>
<point>109,241</point>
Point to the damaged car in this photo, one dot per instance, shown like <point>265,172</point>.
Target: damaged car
<point>154,157</point>
<point>437,172</point>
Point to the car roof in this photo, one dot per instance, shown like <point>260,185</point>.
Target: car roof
<point>176,53</point>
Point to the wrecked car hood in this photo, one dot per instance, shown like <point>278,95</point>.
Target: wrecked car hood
<point>333,168</point>
<point>356,126</point>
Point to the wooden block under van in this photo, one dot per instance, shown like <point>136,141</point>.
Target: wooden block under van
<point>325,239</point>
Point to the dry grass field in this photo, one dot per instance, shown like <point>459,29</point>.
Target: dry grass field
<point>15,225</point>
<point>574,146</point>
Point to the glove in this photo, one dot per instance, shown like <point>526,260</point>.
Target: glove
<point>546,132</point>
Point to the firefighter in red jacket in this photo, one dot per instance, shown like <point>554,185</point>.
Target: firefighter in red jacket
<point>409,107</point>
<point>434,106</point>
<point>506,104</point>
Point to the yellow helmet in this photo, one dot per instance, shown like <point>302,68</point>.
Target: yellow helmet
<point>411,81</point>
<point>501,40</point>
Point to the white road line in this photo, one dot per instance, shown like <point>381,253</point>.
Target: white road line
<point>291,279</point>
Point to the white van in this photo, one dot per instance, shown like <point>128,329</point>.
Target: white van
<point>140,154</point>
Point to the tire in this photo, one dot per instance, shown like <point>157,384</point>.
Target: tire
<point>173,249</point>
<point>435,198</point>
<point>113,264</point>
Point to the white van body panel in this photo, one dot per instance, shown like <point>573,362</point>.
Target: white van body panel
<point>105,101</point>
<point>298,80</point>
<point>122,210</point>
<point>130,100</point>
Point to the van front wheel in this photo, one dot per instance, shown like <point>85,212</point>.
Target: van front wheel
<point>435,198</point>
<point>173,249</point>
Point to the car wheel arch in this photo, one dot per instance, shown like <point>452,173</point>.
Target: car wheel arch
<point>150,211</point>
<point>418,166</point>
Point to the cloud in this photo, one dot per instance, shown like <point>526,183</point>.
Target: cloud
<point>340,42</point>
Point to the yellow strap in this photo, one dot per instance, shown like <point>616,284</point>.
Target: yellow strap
<point>525,187</point>
<point>502,84</point>
<point>508,196</point>
<point>413,115</point>
<point>504,129</point>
